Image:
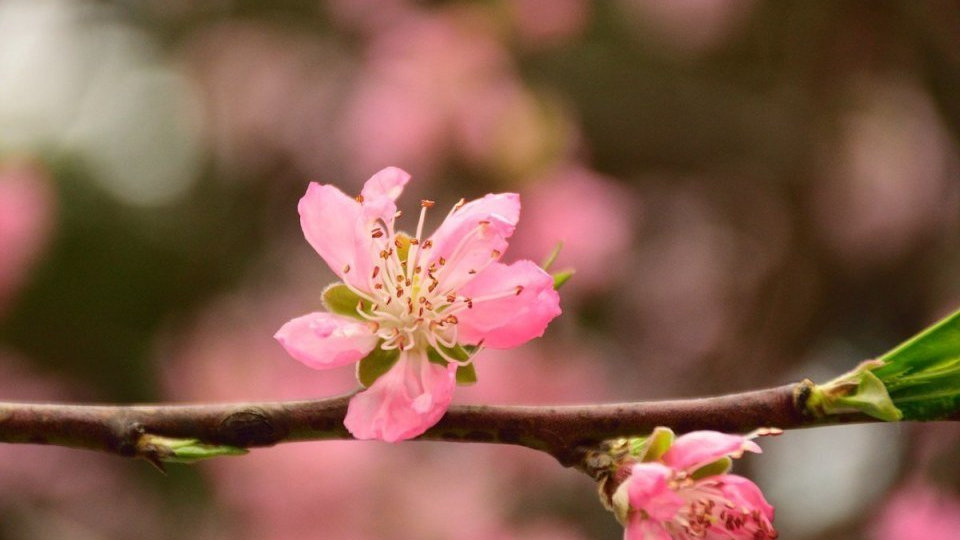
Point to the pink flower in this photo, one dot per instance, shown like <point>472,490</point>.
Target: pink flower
<point>413,311</point>
<point>919,510</point>
<point>686,493</point>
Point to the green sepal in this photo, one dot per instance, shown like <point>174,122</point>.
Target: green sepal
<point>657,444</point>
<point>871,397</point>
<point>466,375</point>
<point>720,466</point>
<point>375,364</point>
<point>922,374</point>
<point>339,299</point>
<point>562,277</point>
<point>653,446</point>
<point>859,390</point>
<point>552,256</point>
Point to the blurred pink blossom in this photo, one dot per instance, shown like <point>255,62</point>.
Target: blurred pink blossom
<point>668,498</point>
<point>368,15</point>
<point>919,510</point>
<point>269,95</point>
<point>592,215</point>
<point>541,373</point>
<point>690,25</point>
<point>437,85</point>
<point>549,22</point>
<point>419,71</point>
<point>27,208</point>
<point>508,130</point>
<point>890,182</point>
<point>445,292</point>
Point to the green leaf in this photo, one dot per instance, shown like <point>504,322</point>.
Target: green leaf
<point>339,299</point>
<point>922,374</point>
<point>466,375</point>
<point>375,364</point>
<point>562,277</point>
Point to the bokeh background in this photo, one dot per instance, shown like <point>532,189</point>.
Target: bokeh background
<point>751,192</point>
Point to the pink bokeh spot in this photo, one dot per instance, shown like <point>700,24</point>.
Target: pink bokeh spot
<point>591,214</point>
<point>919,510</point>
<point>26,220</point>
<point>419,296</point>
<point>666,500</point>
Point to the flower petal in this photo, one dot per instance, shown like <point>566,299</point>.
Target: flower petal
<point>649,490</point>
<point>744,493</point>
<point>404,402</point>
<point>323,340</point>
<point>332,223</point>
<point>699,448</point>
<point>380,192</point>
<point>513,318</point>
<point>645,529</point>
<point>473,236</point>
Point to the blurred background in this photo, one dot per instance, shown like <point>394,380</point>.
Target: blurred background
<point>751,192</point>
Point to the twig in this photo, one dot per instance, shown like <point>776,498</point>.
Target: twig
<point>565,432</point>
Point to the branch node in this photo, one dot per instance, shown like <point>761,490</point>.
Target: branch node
<point>250,427</point>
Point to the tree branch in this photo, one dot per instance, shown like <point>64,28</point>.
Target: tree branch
<point>565,432</point>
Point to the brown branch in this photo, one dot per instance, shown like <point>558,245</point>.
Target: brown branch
<point>565,432</point>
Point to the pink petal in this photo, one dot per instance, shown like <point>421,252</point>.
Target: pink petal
<point>645,529</point>
<point>323,340</point>
<point>700,448</point>
<point>744,493</point>
<point>404,402</point>
<point>649,490</point>
<point>473,236</point>
<point>380,192</point>
<point>514,318</point>
<point>331,223</point>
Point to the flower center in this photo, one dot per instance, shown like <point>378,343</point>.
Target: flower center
<point>709,509</point>
<point>412,297</point>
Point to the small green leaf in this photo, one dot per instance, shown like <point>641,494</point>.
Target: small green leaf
<point>466,375</point>
<point>552,257</point>
<point>158,449</point>
<point>195,452</point>
<point>858,390</point>
<point>562,277</point>
<point>339,299</point>
<point>871,397</point>
<point>375,364</point>
<point>720,466</point>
